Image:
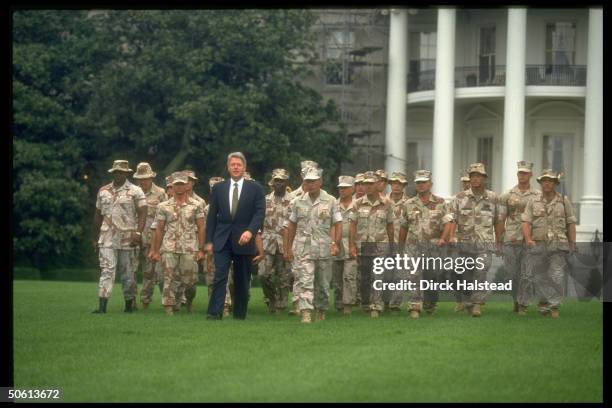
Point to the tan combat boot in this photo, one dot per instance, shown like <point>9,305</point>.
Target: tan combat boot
<point>554,313</point>
<point>320,315</point>
<point>414,314</point>
<point>306,316</point>
<point>522,310</point>
<point>459,307</point>
<point>226,311</point>
<point>169,310</point>
<point>347,311</point>
<point>295,311</point>
<point>476,310</point>
<point>374,314</point>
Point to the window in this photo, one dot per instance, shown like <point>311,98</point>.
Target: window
<point>560,43</point>
<point>484,153</point>
<point>486,57</point>
<point>557,154</point>
<point>422,58</point>
<point>418,156</point>
<point>337,69</point>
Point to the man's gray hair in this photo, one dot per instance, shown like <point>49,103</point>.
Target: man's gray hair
<point>238,155</point>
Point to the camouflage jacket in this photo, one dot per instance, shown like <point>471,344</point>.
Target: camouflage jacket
<point>398,208</point>
<point>314,221</point>
<point>277,210</point>
<point>119,212</point>
<point>475,217</point>
<point>549,220</point>
<point>372,220</point>
<point>155,196</point>
<point>180,228</point>
<point>348,216</point>
<point>511,207</point>
<point>425,222</point>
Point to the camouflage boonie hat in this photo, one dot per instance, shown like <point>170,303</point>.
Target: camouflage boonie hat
<point>179,177</point>
<point>477,168</point>
<point>422,175</point>
<point>369,177</point>
<point>549,173</point>
<point>190,174</point>
<point>144,170</point>
<point>214,180</point>
<point>524,166</point>
<point>359,178</point>
<point>398,176</point>
<point>280,174</point>
<point>346,181</point>
<point>313,174</point>
<point>168,181</point>
<point>120,165</point>
<point>381,174</point>
<point>247,176</point>
<point>464,176</point>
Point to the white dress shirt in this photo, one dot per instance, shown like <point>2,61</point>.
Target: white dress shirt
<point>231,189</point>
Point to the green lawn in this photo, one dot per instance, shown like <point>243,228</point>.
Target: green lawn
<point>148,356</point>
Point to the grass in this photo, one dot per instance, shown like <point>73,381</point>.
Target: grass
<point>151,357</point>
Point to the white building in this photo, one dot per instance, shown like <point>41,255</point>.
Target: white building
<point>494,86</point>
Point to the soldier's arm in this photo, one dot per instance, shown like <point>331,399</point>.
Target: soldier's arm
<point>291,228</point>
<point>260,248</point>
<point>390,232</point>
<point>571,236</point>
<point>527,218</point>
<point>97,223</point>
<point>159,232</point>
<point>201,238</point>
<point>352,239</point>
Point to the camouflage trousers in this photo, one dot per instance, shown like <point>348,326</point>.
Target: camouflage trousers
<point>275,280</point>
<point>432,272</point>
<point>514,263</point>
<point>151,276</point>
<point>123,260</point>
<point>209,267</point>
<point>474,297</point>
<point>180,277</point>
<point>313,277</point>
<point>544,272</point>
<point>344,282</point>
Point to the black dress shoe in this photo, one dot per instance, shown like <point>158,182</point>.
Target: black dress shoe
<point>213,317</point>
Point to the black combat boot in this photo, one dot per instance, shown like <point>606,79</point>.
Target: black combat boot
<point>129,306</point>
<point>102,307</point>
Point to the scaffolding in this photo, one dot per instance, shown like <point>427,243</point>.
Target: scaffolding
<point>354,42</point>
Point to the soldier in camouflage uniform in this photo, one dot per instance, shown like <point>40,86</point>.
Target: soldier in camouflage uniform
<point>398,199</point>
<point>476,215</point>
<point>180,229</point>
<point>315,223</point>
<point>274,274</point>
<point>300,190</point>
<point>381,184</point>
<point>373,231</point>
<point>344,279</point>
<point>191,290</point>
<point>359,187</point>
<point>511,207</point>
<point>426,227</point>
<point>151,271</point>
<point>549,228</point>
<point>465,180</point>
<point>121,211</point>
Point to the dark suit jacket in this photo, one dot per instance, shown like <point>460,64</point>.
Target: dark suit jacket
<point>249,216</point>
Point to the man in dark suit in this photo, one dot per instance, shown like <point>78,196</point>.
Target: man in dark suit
<point>236,212</point>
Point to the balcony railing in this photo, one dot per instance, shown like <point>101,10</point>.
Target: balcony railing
<point>465,77</point>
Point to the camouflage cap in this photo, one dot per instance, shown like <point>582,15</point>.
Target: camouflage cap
<point>524,166</point>
<point>398,176</point>
<point>281,174</point>
<point>307,164</point>
<point>346,181</point>
<point>464,175</point>
<point>422,175</point>
<point>381,174</point>
<point>369,177</point>
<point>359,178</point>
<point>180,177</point>
<point>144,170</point>
<point>168,181</point>
<point>549,173</point>
<point>477,168</point>
<point>120,165</point>
<point>313,174</point>
<point>247,176</point>
<point>190,174</point>
<point>214,180</point>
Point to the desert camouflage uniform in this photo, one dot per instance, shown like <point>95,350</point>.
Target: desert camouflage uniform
<point>120,220</point>
<point>274,275</point>
<point>312,248</point>
<point>179,248</point>
<point>511,207</point>
<point>546,262</point>
<point>425,224</point>
<point>372,220</point>
<point>476,217</point>
<point>395,298</point>
<point>151,272</point>
<point>344,268</point>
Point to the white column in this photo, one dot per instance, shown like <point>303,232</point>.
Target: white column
<point>395,130</point>
<point>514,101</point>
<point>591,205</point>
<point>444,105</point>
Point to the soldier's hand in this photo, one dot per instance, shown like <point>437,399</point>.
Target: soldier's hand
<point>353,252</point>
<point>257,259</point>
<point>572,247</point>
<point>209,248</point>
<point>498,249</point>
<point>199,256</point>
<point>154,256</point>
<point>334,249</point>
<point>531,243</point>
<point>441,242</point>
<point>136,238</point>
